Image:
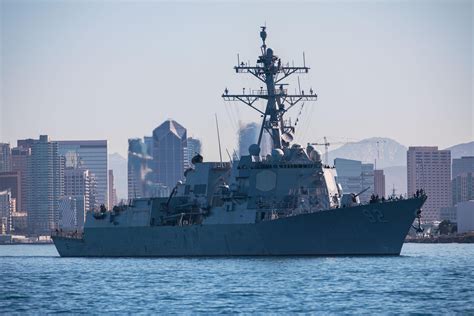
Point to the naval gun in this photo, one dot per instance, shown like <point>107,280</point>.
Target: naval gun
<point>351,199</point>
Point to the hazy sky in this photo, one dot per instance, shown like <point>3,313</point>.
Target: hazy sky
<point>116,70</point>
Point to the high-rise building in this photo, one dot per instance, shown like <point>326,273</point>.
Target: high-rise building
<point>367,179</point>
<point>430,169</point>
<point>462,187</point>
<point>379,183</point>
<point>91,155</point>
<point>248,135</point>
<point>80,184</point>
<point>465,216</point>
<point>138,168</point>
<point>169,142</point>
<point>462,165</point>
<point>193,148</point>
<point>6,210</point>
<point>112,192</point>
<point>12,181</point>
<point>148,140</point>
<point>5,158</point>
<point>448,213</point>
<point>72,212</point>
<point>25,143</point>
<point>355,176</point>
<point>46,185</point>
<point>20,156</point>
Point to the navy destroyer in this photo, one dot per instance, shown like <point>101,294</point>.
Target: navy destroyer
<point>284,203</point>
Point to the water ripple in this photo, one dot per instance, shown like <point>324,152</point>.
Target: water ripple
<point>426,279</point>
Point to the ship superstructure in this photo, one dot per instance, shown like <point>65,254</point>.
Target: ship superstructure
<point>286,203</point>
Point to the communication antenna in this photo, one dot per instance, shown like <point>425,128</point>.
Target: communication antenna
<point>219,138</point>
<point>272,72</point>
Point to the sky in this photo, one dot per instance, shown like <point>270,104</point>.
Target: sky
<point>117,69</point>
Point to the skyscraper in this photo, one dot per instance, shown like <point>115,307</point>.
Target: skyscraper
<point>6,210</point>
<point>5,158</point>
<point>355,176</point>
<point>379,183</point>
<point>80,183</point>
<point>92,155</point>
<point>248,135</point>
<point>46,185</point>
<point>112,192</point>
<point>169,142</point>
<point>20,156</point>
<point>12,181</point>
<point>462,165</point>
<point>193,148</point>
<point>463,180</point>
<point>463,187</point>
<point>138,168</point>
<point>71,212</point>
<point>430,169</point>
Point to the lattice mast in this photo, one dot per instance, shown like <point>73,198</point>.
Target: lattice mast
<point>269,69</point>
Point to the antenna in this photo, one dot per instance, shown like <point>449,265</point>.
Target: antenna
<point>270,70</point>
<point>219,138</point>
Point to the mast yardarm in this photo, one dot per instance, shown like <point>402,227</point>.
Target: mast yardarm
<point>269,70</point>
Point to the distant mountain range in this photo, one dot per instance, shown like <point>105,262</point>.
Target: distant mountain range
<point>387,152</point>
<point>119,165</point>
<point>458,151</point>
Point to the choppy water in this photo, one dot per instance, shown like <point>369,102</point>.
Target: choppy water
<point>425,279</point>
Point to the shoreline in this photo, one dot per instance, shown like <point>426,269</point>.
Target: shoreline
<point>467,238</point>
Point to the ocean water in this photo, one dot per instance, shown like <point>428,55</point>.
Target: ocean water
<point>426,278</point>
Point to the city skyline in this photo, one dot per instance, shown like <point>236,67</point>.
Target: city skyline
<point>107,77</point>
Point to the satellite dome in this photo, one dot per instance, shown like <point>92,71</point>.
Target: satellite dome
<point>277,153</point>
<point>315,156</point>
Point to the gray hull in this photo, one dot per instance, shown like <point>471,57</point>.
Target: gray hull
<point>373,229</point>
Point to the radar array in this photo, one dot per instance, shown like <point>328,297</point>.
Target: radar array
<point>269,70</point>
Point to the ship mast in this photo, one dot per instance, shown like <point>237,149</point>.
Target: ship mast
<point>269,70</point>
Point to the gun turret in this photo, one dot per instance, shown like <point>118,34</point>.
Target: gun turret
<point>361,192</point>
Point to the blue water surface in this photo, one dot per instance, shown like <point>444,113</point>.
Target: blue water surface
<point>426,278</point>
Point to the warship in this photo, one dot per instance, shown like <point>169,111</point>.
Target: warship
<point>285,203</point>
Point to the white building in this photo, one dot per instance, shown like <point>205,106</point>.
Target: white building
<point>465,216</point>
<point>430,169</point>
<point>45,186</point>
<point>193,147</point>
<point>72,213</point>
<point>6,210</point>
<point>81,183</point>
<point>92,155</point>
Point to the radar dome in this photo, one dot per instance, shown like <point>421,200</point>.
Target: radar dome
<point>315,155</point>
<point>277,153</point>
